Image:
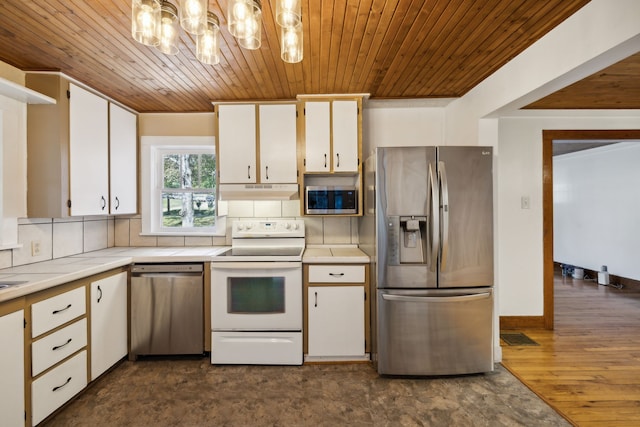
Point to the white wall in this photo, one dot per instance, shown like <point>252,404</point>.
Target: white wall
<point>396,123</point>
<point>595,208</point>
<point>519,173</point>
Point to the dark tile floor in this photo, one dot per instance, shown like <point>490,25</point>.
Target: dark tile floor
<point>194,393</point>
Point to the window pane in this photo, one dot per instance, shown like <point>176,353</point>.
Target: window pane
<point>171,171</point>
<point>189,209</point>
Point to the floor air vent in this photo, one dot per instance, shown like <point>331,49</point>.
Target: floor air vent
<point>517,338</point>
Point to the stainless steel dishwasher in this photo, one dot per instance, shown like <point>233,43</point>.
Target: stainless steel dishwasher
<point>166,309</point>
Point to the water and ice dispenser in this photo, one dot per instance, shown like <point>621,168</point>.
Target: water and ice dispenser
<point>407,240</point>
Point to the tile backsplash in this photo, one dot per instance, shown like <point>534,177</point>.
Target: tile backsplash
<point>51,238</point>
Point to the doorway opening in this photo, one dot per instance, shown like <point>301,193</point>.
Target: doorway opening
<point>548,136</point>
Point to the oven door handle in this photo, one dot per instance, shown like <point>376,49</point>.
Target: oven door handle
<point>241,265</point>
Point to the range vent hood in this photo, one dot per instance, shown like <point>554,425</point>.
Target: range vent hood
<point>258,191</point>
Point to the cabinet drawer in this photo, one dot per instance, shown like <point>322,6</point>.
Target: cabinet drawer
<point>336,274</point>
<point>52,390</point>
<point>53,348</point>
<point>55,311</point>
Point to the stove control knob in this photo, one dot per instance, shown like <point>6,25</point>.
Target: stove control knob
<point>240,227</point>
<point>296,226</point>
<point>287,226</point>
<point>249,226</point>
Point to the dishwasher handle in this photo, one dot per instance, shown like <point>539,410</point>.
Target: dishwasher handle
<point>139,269</point>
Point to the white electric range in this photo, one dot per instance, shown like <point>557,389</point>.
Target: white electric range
<point>256,294</point>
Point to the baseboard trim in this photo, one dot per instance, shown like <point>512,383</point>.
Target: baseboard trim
<point>521,322</point>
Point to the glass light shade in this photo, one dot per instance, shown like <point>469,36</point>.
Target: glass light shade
<point>251,34</point>
<point>237,13</point>
<point>291,44</point>
<point>289,13</point>
<point>193,15</point>
<point>169,29</point>
<point>145,21</point>
<point>207,43</point>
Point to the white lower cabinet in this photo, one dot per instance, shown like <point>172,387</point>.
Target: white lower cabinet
<point>336,321</point>
<point>108,322</point>
<point>57,386</point>
<point>12,369</point>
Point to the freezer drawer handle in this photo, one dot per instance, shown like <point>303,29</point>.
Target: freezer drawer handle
<point>61,310</point>
<point>60,386</point>
<point>457,298</point>
<point>58,347</point>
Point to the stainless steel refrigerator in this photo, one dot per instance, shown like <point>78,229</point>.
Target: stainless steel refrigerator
<point>428,226</point>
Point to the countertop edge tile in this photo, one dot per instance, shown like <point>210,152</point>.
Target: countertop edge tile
<point>90,263</point>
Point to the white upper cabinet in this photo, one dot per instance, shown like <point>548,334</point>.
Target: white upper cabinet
<point>237,143</point>
<point>345,136</point>
<point>278,139</point>
<point>317,120</point>
<point>257,143</point>
<point>68,152</point>
<point>88,153</point>
<point>123,160</point>
<point>331,136</point>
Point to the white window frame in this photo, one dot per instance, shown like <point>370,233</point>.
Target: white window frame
<point>152,149</point>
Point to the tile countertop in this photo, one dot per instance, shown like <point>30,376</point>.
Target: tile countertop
<point>47,274</point>
<point>334,255</point>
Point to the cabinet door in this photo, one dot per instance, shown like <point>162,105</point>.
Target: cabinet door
<point>336,320</point>
<point>278,144</point>
<point>108,322</point>
<point>123,161</point>
<point>12,369</point>
<point>345,136</point>
<point>317,121</point>
<point>88,153</point>
<point>237,143</point>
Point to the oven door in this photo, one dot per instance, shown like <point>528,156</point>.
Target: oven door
<point>256,296</point>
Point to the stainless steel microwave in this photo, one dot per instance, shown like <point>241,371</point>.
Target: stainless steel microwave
<point>331,200</point>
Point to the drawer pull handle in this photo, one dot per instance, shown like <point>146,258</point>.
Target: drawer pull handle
<point>61,310</point>
<point>60,386</point>
<point>336,274</point>
<point>58,347</point>
<point>316,301</point>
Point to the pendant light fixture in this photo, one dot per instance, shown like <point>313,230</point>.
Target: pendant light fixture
<point>207,43</point>
<point>291,44</point>
<point>169,28</point>
<point>193,15</point>
<point>289,17</point>
<point>237,13</point>
<point>251,38</point>
<point>145,19</point>
<point>289,13</point>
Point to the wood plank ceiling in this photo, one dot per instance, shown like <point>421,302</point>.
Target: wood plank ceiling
<point>387,48</point>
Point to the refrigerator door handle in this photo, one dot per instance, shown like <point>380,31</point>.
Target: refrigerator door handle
<point>434,232</point>
<point>444,189</point>
<point>456,298</point>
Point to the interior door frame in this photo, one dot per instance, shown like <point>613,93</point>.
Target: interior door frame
<point>548,136</point>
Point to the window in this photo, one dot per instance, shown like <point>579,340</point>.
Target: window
<point>180,186</point>
<point>187,192</point>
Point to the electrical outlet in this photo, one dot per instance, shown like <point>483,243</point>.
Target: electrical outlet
<point>35,247</point>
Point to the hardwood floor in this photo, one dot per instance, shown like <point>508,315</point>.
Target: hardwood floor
<point>588,368</point>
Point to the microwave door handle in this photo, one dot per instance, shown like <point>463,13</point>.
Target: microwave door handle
<point>435,219</point>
